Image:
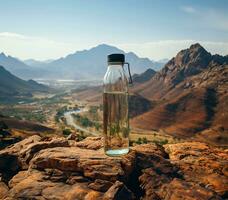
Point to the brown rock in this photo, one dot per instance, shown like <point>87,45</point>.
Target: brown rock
<point>201,164</point>
<point>17,156</point>
<point>3,190</point>
<point>155,177</point>
<point>118,191</point>
<point>92,164</point>
<point>93,143</point>
<point>34,184</point>
<point>58,170</point>
<point>100,185</point>
<point>178,189</point>
<point>149,149</point>
<point>9,157</point>
<point>72,136</point>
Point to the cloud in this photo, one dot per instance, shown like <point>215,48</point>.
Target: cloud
<point>12,35</point>
<point>24,46</point>
<point>188,9</point>
<point>157,50</point>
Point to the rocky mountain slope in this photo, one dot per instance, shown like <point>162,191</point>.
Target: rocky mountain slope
<point>186,64</point>
<point>59,168</point>
<point>190,94</point>
<point>143,77</point>
<point>11,85</point>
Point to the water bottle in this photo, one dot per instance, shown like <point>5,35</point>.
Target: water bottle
<point>115,107</point>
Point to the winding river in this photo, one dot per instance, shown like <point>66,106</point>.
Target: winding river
<point>71,122</point>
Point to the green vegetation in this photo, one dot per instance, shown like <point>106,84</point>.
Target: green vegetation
<point>57,99</point>
<point>66,132</point>
<point>81,136</point>
<point>93,109</point>
<point>24,114</point>
<point>86,122</point>
<point>93,113</point>
<point>160,142</point>
<point>3,125</point>
<point>101,107</point>
<point>11,100</point>
<point>60,113</point>
<point>142,140</point>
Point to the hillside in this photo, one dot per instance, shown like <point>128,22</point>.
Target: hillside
<point>19,68</point>
<point>11,85</point>
<point>191,94</point>
<point>143,77</point>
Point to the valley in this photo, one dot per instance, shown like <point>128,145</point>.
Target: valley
<point>162,105</point>
<point>64,114</point>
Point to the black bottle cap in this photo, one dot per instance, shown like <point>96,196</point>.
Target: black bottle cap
<point>117,57</point>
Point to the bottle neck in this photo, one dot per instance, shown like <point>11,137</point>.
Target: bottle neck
<point>115,64</point>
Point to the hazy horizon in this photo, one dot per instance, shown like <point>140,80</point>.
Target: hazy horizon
<point>44,30</point>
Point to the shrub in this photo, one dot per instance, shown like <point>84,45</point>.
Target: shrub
<point>66,132</point>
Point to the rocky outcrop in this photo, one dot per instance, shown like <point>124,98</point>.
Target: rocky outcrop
<point>59,168</point>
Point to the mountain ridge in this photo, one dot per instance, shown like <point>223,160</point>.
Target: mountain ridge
<point>187,63</point>
<point>191,92</point>
<point>93,62</point>
<point>85,64</point>
<point>11,85</point>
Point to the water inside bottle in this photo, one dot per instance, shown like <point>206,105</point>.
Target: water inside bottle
<point>116,125</point>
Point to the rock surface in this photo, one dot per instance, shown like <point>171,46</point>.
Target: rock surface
<point>59,168</point>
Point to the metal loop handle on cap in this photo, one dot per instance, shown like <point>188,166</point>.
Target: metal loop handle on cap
<point>128,66</point>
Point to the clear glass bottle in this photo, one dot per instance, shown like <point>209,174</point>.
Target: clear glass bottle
<point>115,107</point>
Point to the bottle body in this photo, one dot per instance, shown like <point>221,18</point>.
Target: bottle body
<point>115,111</point>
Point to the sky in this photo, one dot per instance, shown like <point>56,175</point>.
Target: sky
<point>157,29</point>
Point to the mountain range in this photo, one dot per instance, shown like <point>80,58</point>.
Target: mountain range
<point>11,85</point>
<point>86,64</point>
<point>188,97</point>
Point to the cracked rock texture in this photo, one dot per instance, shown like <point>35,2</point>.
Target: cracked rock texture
<point>60,168</point>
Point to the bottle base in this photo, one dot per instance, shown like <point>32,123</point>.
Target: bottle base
<point>116,152</point>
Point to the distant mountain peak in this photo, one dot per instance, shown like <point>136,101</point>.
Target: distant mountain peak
<point>198,49</point>
<point>143,77</point>
<point>195,56</point>
<point>2,68</point>
<point>85,64</point>
<point>189,62</point>
<point>106,47</point>
<point>2,54</point>
<point>196,46</point>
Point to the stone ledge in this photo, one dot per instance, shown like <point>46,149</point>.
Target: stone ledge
<point>59,168</point>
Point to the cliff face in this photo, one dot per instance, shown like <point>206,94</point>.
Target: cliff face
<point>58,168</point>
